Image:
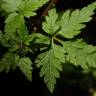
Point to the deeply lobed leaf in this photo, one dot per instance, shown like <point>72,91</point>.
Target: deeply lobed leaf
<point>51,25</point>
<point>10,5</point>
<point>84,55</point>
<point>25,65</point>
<point>15,24</point>
<point>70,23</point>
<point>50,64</point>
<point>25,7</point>
<point>8,61</point>
<point>28,7</point>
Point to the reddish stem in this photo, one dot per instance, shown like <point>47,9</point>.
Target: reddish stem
<point>36,28</point>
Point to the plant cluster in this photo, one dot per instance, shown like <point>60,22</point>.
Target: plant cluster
<point>56,41</point>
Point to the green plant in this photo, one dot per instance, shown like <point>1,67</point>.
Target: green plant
<point>54,50</point>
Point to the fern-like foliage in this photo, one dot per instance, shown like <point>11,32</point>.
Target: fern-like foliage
<point>76,52</point>
<point>79,17</point>
<point>25,65</point>
<point>50,63</point>
<point>80,54</point>
<point>8,61</point>
<point>10,5</point>
<point>71,22</point>
<point>51,25</point>
<point>14,22</point>
<point>16,37</point>
<point>24,7</point>
<point>53,50</point>
<point>28,7</point>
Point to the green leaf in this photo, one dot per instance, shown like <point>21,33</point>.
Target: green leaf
<point>10,5</point>
<point>30,38</point>
<point>36,4</point>
<point>84,55</point>
<point>50,64</point>
<point>23,33</point>
<point>25,65</point>
<point>29,13</point>
<point>15,24</point>
<point>28,7</point>
<point>3,40</point>
<point>40,38</point>
<point>8,61</point>
<point>51,25</point>
<point>10,17</point>
<point>72,22</point>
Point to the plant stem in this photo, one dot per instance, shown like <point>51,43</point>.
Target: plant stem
<point>45,12</point>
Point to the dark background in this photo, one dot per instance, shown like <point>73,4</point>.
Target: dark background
<point>71,83</point>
